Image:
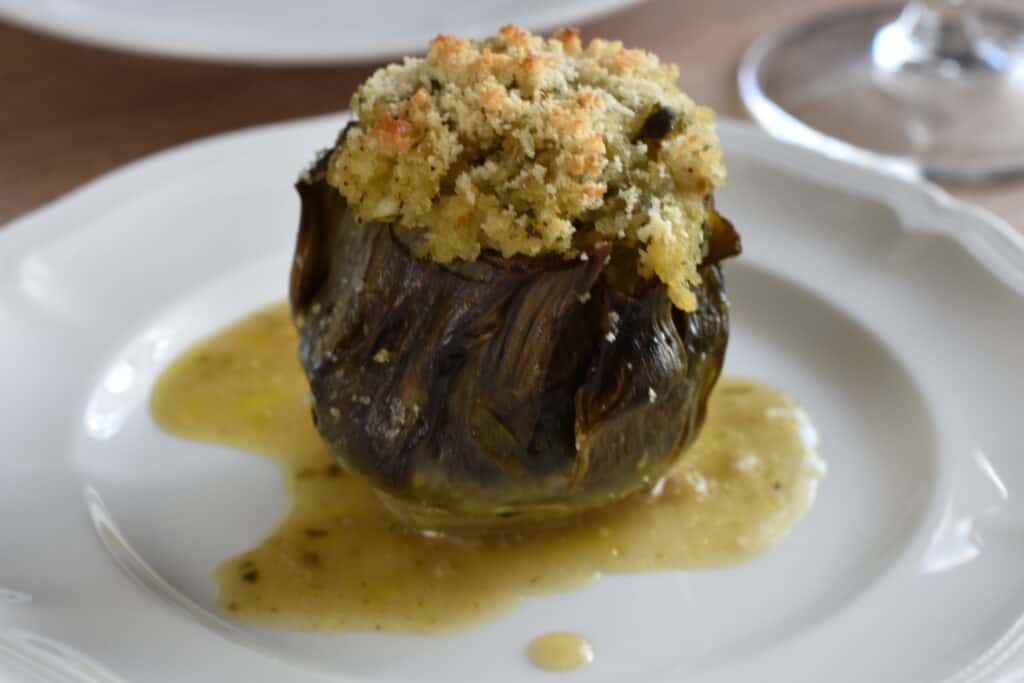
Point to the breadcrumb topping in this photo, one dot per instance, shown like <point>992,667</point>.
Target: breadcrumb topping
<point>527,145</point>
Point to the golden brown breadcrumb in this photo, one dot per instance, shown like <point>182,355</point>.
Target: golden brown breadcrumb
<point>523,145</point>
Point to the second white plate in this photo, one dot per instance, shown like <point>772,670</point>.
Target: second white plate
<point>276,32</point>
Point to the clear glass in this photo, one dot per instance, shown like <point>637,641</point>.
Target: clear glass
<point>936,88</point>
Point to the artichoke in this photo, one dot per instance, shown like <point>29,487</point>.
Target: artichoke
<point>503,389</point>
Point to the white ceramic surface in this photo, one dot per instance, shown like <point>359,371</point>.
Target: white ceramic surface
<point>893,312</point>
<point>296,31</point>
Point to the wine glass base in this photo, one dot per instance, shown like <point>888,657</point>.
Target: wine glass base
<point>827,84</point>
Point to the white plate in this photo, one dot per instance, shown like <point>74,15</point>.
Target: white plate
<point>280,31</point>
<point>892,311</point>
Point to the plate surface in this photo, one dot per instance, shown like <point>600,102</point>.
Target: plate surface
<point>273,31</point>
<point>892,312</point>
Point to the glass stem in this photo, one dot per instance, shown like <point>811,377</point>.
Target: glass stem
<point>945,37</point>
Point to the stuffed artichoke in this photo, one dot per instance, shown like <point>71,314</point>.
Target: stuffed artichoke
<point>507,278</point>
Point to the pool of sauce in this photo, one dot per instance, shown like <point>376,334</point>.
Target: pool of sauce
<point>338,560</point>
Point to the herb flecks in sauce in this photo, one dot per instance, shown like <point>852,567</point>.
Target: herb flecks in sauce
<point>338,560</point>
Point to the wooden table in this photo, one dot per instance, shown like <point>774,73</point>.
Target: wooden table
<point>69,113</point>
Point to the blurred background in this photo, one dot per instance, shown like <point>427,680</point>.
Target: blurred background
<point>931,87</point>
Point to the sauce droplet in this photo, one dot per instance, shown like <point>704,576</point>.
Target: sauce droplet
<point>560,651</point>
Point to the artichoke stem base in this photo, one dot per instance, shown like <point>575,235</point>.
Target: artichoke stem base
<point>435,522</point>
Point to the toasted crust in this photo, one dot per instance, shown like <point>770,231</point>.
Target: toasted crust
<point>524,145</point>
